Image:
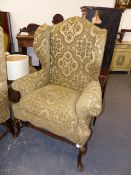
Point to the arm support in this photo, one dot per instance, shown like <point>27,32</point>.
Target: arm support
<point>90,101</point>
<point>31,82</point>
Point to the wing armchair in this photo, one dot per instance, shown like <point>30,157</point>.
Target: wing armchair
<point>4,109</point>
<point>65,94</point>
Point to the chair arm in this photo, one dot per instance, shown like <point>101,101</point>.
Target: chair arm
<point>31,82</point>
<point>90,101</point>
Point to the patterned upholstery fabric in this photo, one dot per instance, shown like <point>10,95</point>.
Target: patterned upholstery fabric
<point>4,113</point>
<point>66,93</point>
<point>76,53</point>
<point>31,82</point>
<point>54,101</point>
<point>90,101</point>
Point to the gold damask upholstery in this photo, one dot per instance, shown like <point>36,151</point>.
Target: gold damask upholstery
<point>64,95</point>
<point>4,111</point>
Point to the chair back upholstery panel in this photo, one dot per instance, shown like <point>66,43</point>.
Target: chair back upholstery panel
<point>71,51</point>
<point>76,53</point>
<point>42,45</point>
<point>4,113</point>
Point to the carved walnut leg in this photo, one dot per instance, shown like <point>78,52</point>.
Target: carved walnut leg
<point>10,126</point>
<point>82,152</point>
<point>17,127</point>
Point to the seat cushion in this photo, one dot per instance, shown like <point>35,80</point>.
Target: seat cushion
<point>54,103</point>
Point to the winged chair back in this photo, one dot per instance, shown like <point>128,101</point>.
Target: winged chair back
<point>3,82</point>
<point>71,52</point>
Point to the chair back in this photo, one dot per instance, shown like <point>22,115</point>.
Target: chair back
<point>73,51</point>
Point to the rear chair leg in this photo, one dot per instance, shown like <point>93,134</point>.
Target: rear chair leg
<point>94,121</point>
<point>10,126</point>
<point>82,152</point>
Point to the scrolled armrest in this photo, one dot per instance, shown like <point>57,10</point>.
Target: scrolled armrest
<point>90,101</point>
<point>31,82</point>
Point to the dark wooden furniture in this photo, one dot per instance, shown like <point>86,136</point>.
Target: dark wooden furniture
<point>123,4</point>
<point>57,18</point>
<point>30,29</point>
<point>6,25</point>
<point>24,41</point>
<point>122,33</point>
<point>121,60</point>
<point>110,18</point>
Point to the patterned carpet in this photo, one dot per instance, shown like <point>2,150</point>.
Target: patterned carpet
<point>109,150</point>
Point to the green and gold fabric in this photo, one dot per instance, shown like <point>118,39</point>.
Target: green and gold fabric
<point>64,95</point>
<point>4,111</point>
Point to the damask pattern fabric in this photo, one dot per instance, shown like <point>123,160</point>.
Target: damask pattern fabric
<point>90,101</point>
<point>55,101</point>
<point>42,45</point>
<point>65,94</point>
<point>31,82</point>
<point>4,111</point>
<point>76,53</point>
<point>77,135</point>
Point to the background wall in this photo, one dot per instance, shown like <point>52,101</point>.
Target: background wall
<point>41,11</point>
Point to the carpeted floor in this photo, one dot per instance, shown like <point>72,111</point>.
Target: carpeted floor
<point>109,150</point>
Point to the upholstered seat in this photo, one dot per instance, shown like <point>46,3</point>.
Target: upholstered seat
<point>64,95</point>
<point>55,101</point>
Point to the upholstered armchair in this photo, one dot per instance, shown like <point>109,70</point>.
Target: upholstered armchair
<point>64,96</point>
<point>4,108</point>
